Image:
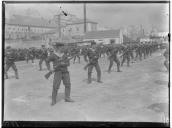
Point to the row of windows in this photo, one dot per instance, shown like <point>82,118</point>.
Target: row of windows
<point>16,29</point>
<point>26,30</point>
<point>70,29</point>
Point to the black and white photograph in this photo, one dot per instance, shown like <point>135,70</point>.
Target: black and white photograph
<point>86,61</point>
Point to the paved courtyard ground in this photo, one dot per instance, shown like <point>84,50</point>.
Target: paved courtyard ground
<point>138,93</point>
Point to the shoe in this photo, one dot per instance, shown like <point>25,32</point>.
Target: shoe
<point>88,82</point>
<point>119,71</point>
<point>53,103</point>
<point>69,100</point>
<point>109,71</point>
<point>17,77</point>
<point>99,81</point>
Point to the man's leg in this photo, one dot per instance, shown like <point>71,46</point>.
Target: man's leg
<point>27,60</point>
<point>128,60</point>
<point>7,67</point>
<point>110,64</point>
<point>32,59</point>
<point>98,73</point>
<point>118,64</point>
<point>166,63</point>
<point>74,59</point>
<point>144,54</point>
<point>90,68</point>
<point>132,57</point>
<point>85,58</point>
<point>56,85</point>
<point>15,70</point>
<point>136,56</point>
<point>123,60</point>
<point>78,58</point>
<point>47,64</point>
<point>66,82</point>
<point>140,56</point>
<point>40,64</point>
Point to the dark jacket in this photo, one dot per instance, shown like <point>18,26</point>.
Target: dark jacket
<point>10,56</point>
<point>59,63</point>
<point>93,56</point>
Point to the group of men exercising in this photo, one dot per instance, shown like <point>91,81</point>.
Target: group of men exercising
<point>61,57</point>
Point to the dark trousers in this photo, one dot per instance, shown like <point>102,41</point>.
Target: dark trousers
<point>76,56</point>
<point>126,57</point>
<point>40,63</point>
<point>30,58</point>
<point>131,55</point>
<point>58,77</point>
<point>138,54</point>
<point>111,63</point>
<point>85,58</point>
<point>90,69</point>
<point>144,53</point>
<point>13,66</point>
<point>166,64</point>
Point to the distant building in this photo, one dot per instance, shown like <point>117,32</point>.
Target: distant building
<point>160,37</point>
<point>105,37</point>
<point>24,27</point>
<point>145,39</point>
<point>77,27</point>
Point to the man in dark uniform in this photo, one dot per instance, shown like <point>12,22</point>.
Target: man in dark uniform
<point>132,48</point>
<point>138,51</point>
<point>93,56</point>
<point>84,51</point>
<point>43,57</point>
<point>61,73</point>
<point>29,55</point>
<point>10,58</point>
<point>126,55</point>
<point>144,50</point>
<point>76,54</point>
<point>113,51</point>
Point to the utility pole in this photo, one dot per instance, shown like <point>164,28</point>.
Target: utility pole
<point>85,25</point>
<point>141,31</point>
<point>59,25</point>
<point>59,20</point>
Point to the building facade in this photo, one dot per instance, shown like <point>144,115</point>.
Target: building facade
<point>77,28</point>
<point>22,27</point>
<point>105,37</point>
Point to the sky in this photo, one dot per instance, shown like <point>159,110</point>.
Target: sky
<point>107,15</point>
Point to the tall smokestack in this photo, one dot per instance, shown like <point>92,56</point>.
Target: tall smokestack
<point>85,25</point>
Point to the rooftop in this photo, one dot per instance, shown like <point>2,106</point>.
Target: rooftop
<point>30,21</point>
<point>40,22</point>
<point>81,21</point>
<point>102,34</point>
